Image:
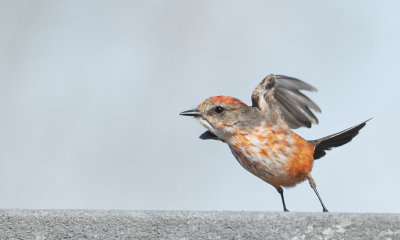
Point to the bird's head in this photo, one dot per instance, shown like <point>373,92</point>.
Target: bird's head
<point>222,115</point>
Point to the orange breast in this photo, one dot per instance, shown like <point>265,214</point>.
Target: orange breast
<point>275,154</point>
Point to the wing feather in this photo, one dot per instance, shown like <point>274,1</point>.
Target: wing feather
<point>280,95</point>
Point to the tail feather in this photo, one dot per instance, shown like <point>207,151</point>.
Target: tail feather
<point>335,140</point>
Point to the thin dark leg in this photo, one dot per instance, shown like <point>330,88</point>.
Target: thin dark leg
<point>280,191</point>
<point>314,187</point>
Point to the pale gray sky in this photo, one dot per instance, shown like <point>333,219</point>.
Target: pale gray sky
<point>90,93</point>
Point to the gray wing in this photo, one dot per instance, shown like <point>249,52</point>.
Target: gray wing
<point>278,94</point>
<point>208,135</point>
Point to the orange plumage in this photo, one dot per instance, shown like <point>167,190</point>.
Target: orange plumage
<point>260,136</point>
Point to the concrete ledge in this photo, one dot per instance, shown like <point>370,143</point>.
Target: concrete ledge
<point>104,224</point>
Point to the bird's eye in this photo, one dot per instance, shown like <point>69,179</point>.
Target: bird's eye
<point>219,109</point>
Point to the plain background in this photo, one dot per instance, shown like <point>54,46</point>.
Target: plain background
<point>91,91</point>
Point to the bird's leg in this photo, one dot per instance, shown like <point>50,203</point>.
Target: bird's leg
<point>314,187</point>
<point>280,191</point>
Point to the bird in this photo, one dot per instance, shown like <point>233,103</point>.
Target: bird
<point>260,136</point>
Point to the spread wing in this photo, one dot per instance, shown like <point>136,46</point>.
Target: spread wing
<point>280,95</point>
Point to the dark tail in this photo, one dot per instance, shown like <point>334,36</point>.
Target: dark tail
<point>335,140</point>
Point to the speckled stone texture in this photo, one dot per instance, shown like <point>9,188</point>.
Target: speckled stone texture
<point>110,224</point>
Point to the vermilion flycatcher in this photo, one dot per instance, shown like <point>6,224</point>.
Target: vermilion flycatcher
<point>260,135</point>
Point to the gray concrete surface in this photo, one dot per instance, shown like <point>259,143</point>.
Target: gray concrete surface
<point>110,224</point>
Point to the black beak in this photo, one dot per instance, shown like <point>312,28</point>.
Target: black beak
<point>192,113</point>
